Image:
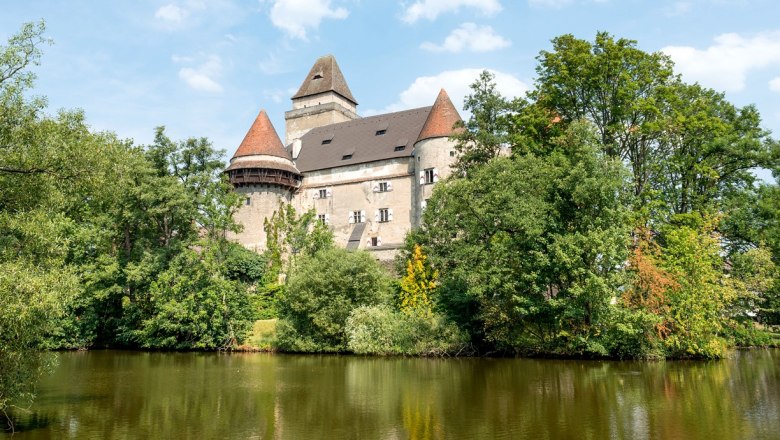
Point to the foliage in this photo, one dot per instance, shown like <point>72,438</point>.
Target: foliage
<point>322,292</point>
<point>486,132</point>
<point>192,306</point>
<point>537,241</point>
<point>381,330</point>
<point>418,286</point>
<point>289,235</point>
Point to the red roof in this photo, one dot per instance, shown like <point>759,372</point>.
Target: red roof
<point>261,139</point>
<point>441,119</point>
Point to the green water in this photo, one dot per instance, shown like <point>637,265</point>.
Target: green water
<point>111,394</point>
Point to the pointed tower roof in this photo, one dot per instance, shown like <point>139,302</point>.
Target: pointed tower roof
<point>325,76</point>
<point>262,139</point>
<point>441,119</point>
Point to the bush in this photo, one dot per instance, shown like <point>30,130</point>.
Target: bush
<point>384,331</point>
<point>320,295</point>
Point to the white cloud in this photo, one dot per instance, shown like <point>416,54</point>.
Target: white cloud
<point>726,63</point>
<point>471,37</point>
<point>557,4</point>
<point>295,16</point>
<point>203,77</point>
<point>171,14</point>
<point>431,9</point>
<point>774,84</point>
<point>422,92</point>
<point>678,8</point>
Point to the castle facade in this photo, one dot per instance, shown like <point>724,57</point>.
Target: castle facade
<point>367,178</point>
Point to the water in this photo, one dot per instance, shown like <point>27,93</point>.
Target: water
<point>128,395</point>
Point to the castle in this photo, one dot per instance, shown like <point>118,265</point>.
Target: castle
<point>367,178</point>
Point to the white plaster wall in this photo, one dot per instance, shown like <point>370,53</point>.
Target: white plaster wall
<point>264,200</point>
<point>438,153</point>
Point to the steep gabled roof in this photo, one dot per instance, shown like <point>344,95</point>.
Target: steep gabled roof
<point>325,76</point>
<point>370,139</point>
<point>261,139</point>
<point>441,119</point>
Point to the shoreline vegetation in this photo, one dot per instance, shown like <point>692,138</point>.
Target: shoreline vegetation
<point>612,212</point>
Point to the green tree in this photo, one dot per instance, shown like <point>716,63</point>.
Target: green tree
<point>322,292</point>
<point>538,241</point>
<point>486,132</point>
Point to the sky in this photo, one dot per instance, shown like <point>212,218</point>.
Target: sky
<point>205,68</point>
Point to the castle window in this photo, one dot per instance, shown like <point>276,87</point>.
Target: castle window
<point>357,217</point>
<point>384,215</point>
<point>380,132</point>
<point>323,193</point>
<point>323,218</point>
<point>382,187</point>
<point>346,157</point>
<point>248,201</point>
<point>317,76</point>
<point>452,153</point>
<point>326,141</point>
<point>374,241</point>
<point>429,176</point>
<point>400,148</point>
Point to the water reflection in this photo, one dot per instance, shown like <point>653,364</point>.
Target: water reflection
<point>173,395</point>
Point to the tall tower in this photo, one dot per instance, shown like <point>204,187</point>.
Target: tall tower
<point>434,153</point>
<point>323,99</point>
<point>262,171</point>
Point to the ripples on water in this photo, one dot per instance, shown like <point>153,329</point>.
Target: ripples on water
<point>111,394</point>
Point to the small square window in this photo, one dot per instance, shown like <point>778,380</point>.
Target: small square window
<point>400,148</point>
<point>322,219</point>
<point>356,217</point>
<point>452,153</point>
<point>346,157</point>
<point>323,193</point>
<point>381,132</point>
<point>383,187</point>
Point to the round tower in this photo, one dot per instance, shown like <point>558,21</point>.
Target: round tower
<point>434,152</point>
<point>263,172</point>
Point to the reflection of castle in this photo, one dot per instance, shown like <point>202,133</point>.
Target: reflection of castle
<point>368,178</point>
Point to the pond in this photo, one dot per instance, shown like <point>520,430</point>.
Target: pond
<point>119,394</point>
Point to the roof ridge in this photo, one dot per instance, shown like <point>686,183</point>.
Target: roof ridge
<point>366,119</point>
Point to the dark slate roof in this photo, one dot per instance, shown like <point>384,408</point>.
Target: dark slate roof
<point>325,76</point>
<point>262,139</point>
<point>359,139</point>
<point>442,118</point>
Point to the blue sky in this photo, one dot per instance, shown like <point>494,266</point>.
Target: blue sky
<point>206,67</point>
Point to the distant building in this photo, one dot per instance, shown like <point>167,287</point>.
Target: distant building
<point>367,178</point>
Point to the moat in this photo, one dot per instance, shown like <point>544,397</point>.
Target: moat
<point>115,394</point>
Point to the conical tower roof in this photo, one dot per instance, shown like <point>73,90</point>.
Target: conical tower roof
<point>325,76</point>
<point>262,139</point>
<point>441,119</point>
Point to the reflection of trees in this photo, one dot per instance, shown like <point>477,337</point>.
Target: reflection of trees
<point>145,395</point>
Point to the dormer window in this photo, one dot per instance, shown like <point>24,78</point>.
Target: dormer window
<point>326,141</point>
<point>400,148</point>
<point>346,157</point>
<point>317,76</point>
<point>381,132</point>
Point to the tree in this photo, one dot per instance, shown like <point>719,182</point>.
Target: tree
<point>485,133</point>
<point>538,241</point>
<point>321,293</point>
<point>418,286</point>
